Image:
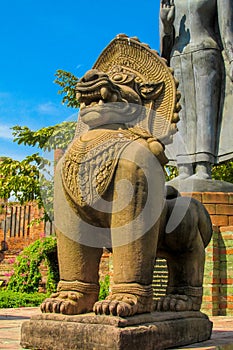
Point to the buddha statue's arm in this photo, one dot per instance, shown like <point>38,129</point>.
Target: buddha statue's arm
<point>167,31</point>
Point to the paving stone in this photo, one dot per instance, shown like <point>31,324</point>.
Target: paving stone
<point>11,320</point>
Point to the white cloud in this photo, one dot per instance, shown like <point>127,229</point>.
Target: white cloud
<point>49,108</point>
<point>5,132</point>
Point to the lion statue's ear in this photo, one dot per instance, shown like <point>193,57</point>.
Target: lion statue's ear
<point>151,91</point>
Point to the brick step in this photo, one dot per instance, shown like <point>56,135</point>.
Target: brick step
<point>6,265</point>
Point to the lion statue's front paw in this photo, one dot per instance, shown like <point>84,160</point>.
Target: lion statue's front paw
<point>123,305</point>
<point>68,303</point>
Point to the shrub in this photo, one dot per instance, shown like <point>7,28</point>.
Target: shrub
<point>104,288</point>
<point>223,171</point>
<point>27,276</point>
<point>10,299</point>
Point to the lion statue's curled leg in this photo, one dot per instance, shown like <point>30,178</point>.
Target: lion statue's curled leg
<point>184,250</point>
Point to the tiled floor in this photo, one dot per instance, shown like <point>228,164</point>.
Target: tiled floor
<point>11,320</point>
<point>10,324</point>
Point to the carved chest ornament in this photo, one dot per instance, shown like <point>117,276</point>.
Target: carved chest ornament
<point>89,166</point>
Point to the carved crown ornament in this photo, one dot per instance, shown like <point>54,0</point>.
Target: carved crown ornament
<point>130,71</point>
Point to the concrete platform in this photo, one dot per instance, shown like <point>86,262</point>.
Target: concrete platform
<point>12,319</point>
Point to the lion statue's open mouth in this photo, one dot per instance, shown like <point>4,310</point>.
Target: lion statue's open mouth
<point>107,98</point>
<point>95,88</point>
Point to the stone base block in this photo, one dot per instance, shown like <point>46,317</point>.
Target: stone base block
<point>158,330</point>
<point>192,184</point>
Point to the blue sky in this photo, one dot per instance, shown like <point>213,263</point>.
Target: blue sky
<point>37,38</point>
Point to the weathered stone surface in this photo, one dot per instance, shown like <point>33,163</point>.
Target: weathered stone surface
<point>158,330</point>
<point>121,142</point>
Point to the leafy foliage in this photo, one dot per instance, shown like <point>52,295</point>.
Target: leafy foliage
<point>21,177</point>
<point>24,180</point>
<point>223,171</point>
<point>67,81</point>
<point>27,275</point>
<point>170,172</point>
<point>104,288</point>
<point>48,138</point>
<point>31,179</point>
<point>11,299</point>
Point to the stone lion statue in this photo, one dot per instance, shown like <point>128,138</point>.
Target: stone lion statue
<point>110,192</point>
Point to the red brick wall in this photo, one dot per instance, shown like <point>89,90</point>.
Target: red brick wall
<point>218,277</point>
<point>21,235</point>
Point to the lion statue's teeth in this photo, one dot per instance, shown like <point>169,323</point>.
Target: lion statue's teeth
<point>104,92</point>
<point>82,105</point>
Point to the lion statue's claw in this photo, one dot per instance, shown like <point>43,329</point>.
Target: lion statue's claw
<point>122,305</point>
<point>175,302</point>
<point>68,303</point>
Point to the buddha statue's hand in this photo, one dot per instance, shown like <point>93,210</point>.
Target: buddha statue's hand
<point>167,15</point>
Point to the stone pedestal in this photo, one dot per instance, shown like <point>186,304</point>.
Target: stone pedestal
<point>194,184</point>
<point>155,331</point>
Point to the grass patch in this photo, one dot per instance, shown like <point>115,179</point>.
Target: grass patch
<point>11,299</point>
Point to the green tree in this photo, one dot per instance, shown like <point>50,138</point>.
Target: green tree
<point>31,179</point>
<point>48,138</point>
<point>67,81</point>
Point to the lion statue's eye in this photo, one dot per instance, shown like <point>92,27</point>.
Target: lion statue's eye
<point>119,77</point>
<point>122,78</point>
